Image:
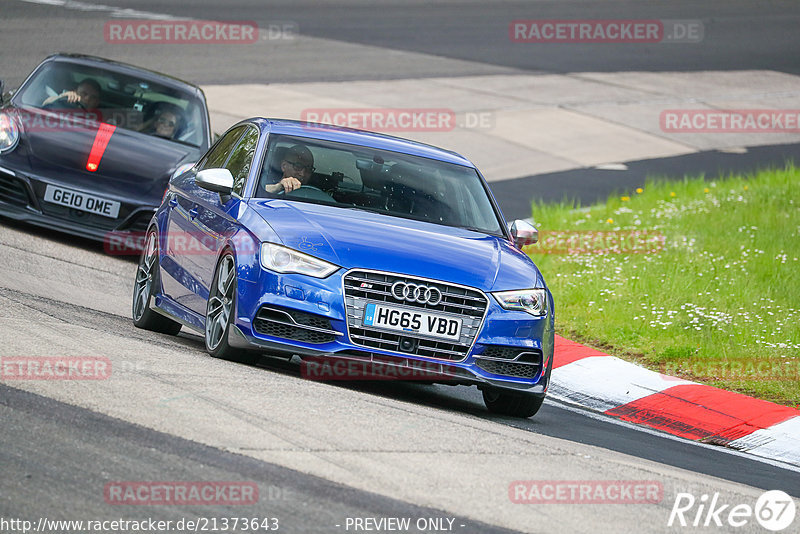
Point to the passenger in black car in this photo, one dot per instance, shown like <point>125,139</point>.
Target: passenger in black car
<point>166,122</point>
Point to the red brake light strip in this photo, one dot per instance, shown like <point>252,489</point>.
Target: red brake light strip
<point>101,140</point>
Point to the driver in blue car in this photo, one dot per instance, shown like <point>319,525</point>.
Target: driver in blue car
<point>297,167</point>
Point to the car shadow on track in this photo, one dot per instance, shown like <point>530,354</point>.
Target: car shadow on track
<point>73,241</point>
<point>461,399</point>
<point>453,398</point>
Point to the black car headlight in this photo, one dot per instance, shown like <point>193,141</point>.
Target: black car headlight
<point>285,260</point>
<point>533,301</point>
<point>9,133</point>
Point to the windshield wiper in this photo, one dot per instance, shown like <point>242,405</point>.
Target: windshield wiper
<point>391,214</point>
<point>362,208</point>
<point>472,228</point>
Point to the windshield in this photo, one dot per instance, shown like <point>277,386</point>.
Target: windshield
<point>130,103</point>
<point>358,177</point>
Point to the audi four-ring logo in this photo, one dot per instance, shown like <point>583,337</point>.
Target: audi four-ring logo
<point>416,293</point>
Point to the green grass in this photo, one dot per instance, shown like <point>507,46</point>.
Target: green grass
<point>718,304</point>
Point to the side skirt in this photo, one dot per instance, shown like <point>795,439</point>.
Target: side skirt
<point>172,310</point>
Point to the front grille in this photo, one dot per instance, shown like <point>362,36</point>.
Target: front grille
<point>12,190</point>
<point>500,352</point>
<point>362,287</point>
<point>84,218</point>
<point>294,325</point>
<point>518,370</point>
<point>518,362</point>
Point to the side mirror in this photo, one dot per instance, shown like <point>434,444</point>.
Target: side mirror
<point>217,180</point>
<point>523,233</point>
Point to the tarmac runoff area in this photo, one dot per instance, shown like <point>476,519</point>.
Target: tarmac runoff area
<point>514,126</point>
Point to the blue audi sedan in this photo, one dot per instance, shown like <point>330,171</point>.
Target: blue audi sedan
<point>364,255</point>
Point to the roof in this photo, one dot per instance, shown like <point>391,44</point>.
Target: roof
<point>362,138</point>
<point>125,68</point>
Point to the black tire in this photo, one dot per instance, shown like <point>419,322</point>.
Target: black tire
<point>515,405</point>
<point>220,311</point>
<point>144,288</point>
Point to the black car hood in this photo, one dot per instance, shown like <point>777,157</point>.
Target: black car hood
<point>132,162</point>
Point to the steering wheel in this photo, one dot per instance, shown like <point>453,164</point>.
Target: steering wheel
<point>63,103</point>
<point>308,191</point>
<point>283,192</point>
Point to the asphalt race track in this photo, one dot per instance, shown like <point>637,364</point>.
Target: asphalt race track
<point>738,36</point>
<point>321,453</point>
<point>170,412</point>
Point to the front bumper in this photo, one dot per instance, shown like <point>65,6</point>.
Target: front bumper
<point>507,342</point>
<point>21,199</point>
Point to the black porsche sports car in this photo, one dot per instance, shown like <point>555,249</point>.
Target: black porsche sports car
<point>88,145</point>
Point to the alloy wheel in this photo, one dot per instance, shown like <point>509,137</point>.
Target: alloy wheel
<point>220,303</point>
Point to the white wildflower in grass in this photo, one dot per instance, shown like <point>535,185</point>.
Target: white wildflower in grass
<point>724,285</point>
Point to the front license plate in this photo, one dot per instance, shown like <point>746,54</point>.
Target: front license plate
<point>413,322</point>
<point>81,201</point>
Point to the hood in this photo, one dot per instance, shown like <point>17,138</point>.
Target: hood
<point>132,163</point>
<point>361,239</point>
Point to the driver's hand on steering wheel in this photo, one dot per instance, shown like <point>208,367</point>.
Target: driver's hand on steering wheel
<point>286,185</point>
<point>71,96</point>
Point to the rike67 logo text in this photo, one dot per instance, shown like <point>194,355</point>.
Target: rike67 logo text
<point>774,510</point>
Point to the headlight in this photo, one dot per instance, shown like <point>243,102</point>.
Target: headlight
<point>533,301</point>
<point>285,260</point>
<point>9,133</point>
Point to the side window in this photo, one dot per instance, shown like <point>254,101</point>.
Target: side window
<point>241,159</point>
<point>216,157</point>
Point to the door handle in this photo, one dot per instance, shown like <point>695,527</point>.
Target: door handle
<point>173,202</point>
<point>192,213</point>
